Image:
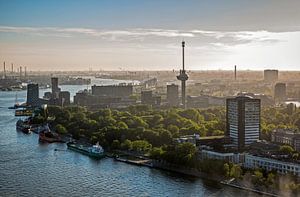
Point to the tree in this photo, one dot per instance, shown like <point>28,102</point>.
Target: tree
<point>60,129</point>
<point>115,145</point>
<point>122,125</point>
<point>236,171</point>
<point>270,178</point>
<point>156,153</point>
<point>141,145</point>
<point>165,137</point>
<point>126,145</point>
<point>286,149</point>
<point>226,168</point>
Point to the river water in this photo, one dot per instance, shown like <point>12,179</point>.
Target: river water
<point>28,168</point>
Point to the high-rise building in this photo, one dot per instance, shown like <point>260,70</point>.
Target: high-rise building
<point>146,97</point>
<point>172,95</point>
<point>55,88</point>
<point>270,76</point>
<point>32,94</point>
<point>149,99</point>
<point>280,92</point>
<point>243,120</point>
<point>64,98</point>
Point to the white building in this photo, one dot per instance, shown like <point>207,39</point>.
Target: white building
<point>229,157</point>
<point>268,164</point>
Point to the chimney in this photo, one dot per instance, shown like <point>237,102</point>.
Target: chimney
<point>20,71</point>
<point>235,72</point>
<point>4,70</point>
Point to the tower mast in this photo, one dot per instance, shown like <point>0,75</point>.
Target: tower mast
<point>183,77</point>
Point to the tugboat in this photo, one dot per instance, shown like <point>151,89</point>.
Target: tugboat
<point>23,126</point>
<point>95,151</point>
<point>50,137</point>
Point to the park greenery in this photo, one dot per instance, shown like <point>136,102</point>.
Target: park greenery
<point>152,128</point>
<point>144,130</point>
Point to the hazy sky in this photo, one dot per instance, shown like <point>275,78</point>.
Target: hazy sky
<point>147,35</point>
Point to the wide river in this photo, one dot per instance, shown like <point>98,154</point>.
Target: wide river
<point>28,168</point>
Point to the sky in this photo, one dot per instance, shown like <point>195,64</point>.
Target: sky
<point>146,35</point>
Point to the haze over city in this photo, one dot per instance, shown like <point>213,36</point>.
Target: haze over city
<point>144,35</point>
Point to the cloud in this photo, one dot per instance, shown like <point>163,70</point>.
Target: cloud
<point>156,37</point>
<point>49,31</point>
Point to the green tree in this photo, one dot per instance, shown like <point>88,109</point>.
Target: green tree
<point>236,171</point>
<point>115,145</point>
<point>60,129</point>
<point>226,168</point>
<point>286,149</point>
<point>156,153</point>
<point>126,145</point>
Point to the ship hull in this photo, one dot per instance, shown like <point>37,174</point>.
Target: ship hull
<point>85,152</point>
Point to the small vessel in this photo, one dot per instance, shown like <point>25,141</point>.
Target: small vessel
<point>38,128</point>
<point>50,137</point>
<point>23,126</point>
<point>95,151</point>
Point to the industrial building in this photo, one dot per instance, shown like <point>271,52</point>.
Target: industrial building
<point>286,136</point>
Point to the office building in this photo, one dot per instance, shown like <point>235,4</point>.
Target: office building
<point>269,164</point>
<point>32,94</point>
<point>270,76</point>
<point>146,97</point>
<point>286,136</point>
<point>280,92</point>
<point>243,120</point>
<point>64,98</point>
<point>172,95</point>
<point>115,91</point>
<point>33,99</point>
<point>55,88</point>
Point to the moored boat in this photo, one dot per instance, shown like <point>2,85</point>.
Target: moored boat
<point>95,151</point>
<point>50,137</point>
<point>23,126</point>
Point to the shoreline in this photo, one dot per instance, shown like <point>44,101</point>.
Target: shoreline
<point>191,172</point>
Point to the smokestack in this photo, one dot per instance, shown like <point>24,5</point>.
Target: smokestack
<point>12,68</point>
<point>20,71</point>
<point>25,72</point>
<point>4,70</point>
<point>235,72</point>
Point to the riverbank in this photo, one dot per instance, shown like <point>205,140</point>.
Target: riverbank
<point>231,184</point>
<point>160,165</point>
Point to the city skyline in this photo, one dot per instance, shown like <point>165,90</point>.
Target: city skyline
<point>134,35</point>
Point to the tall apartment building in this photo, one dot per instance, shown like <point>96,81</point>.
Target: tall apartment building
<point>280,92</point>
<point>32,94</point>
<point>172,95</point>
<point>243,120</point>
<point>55,88</point>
